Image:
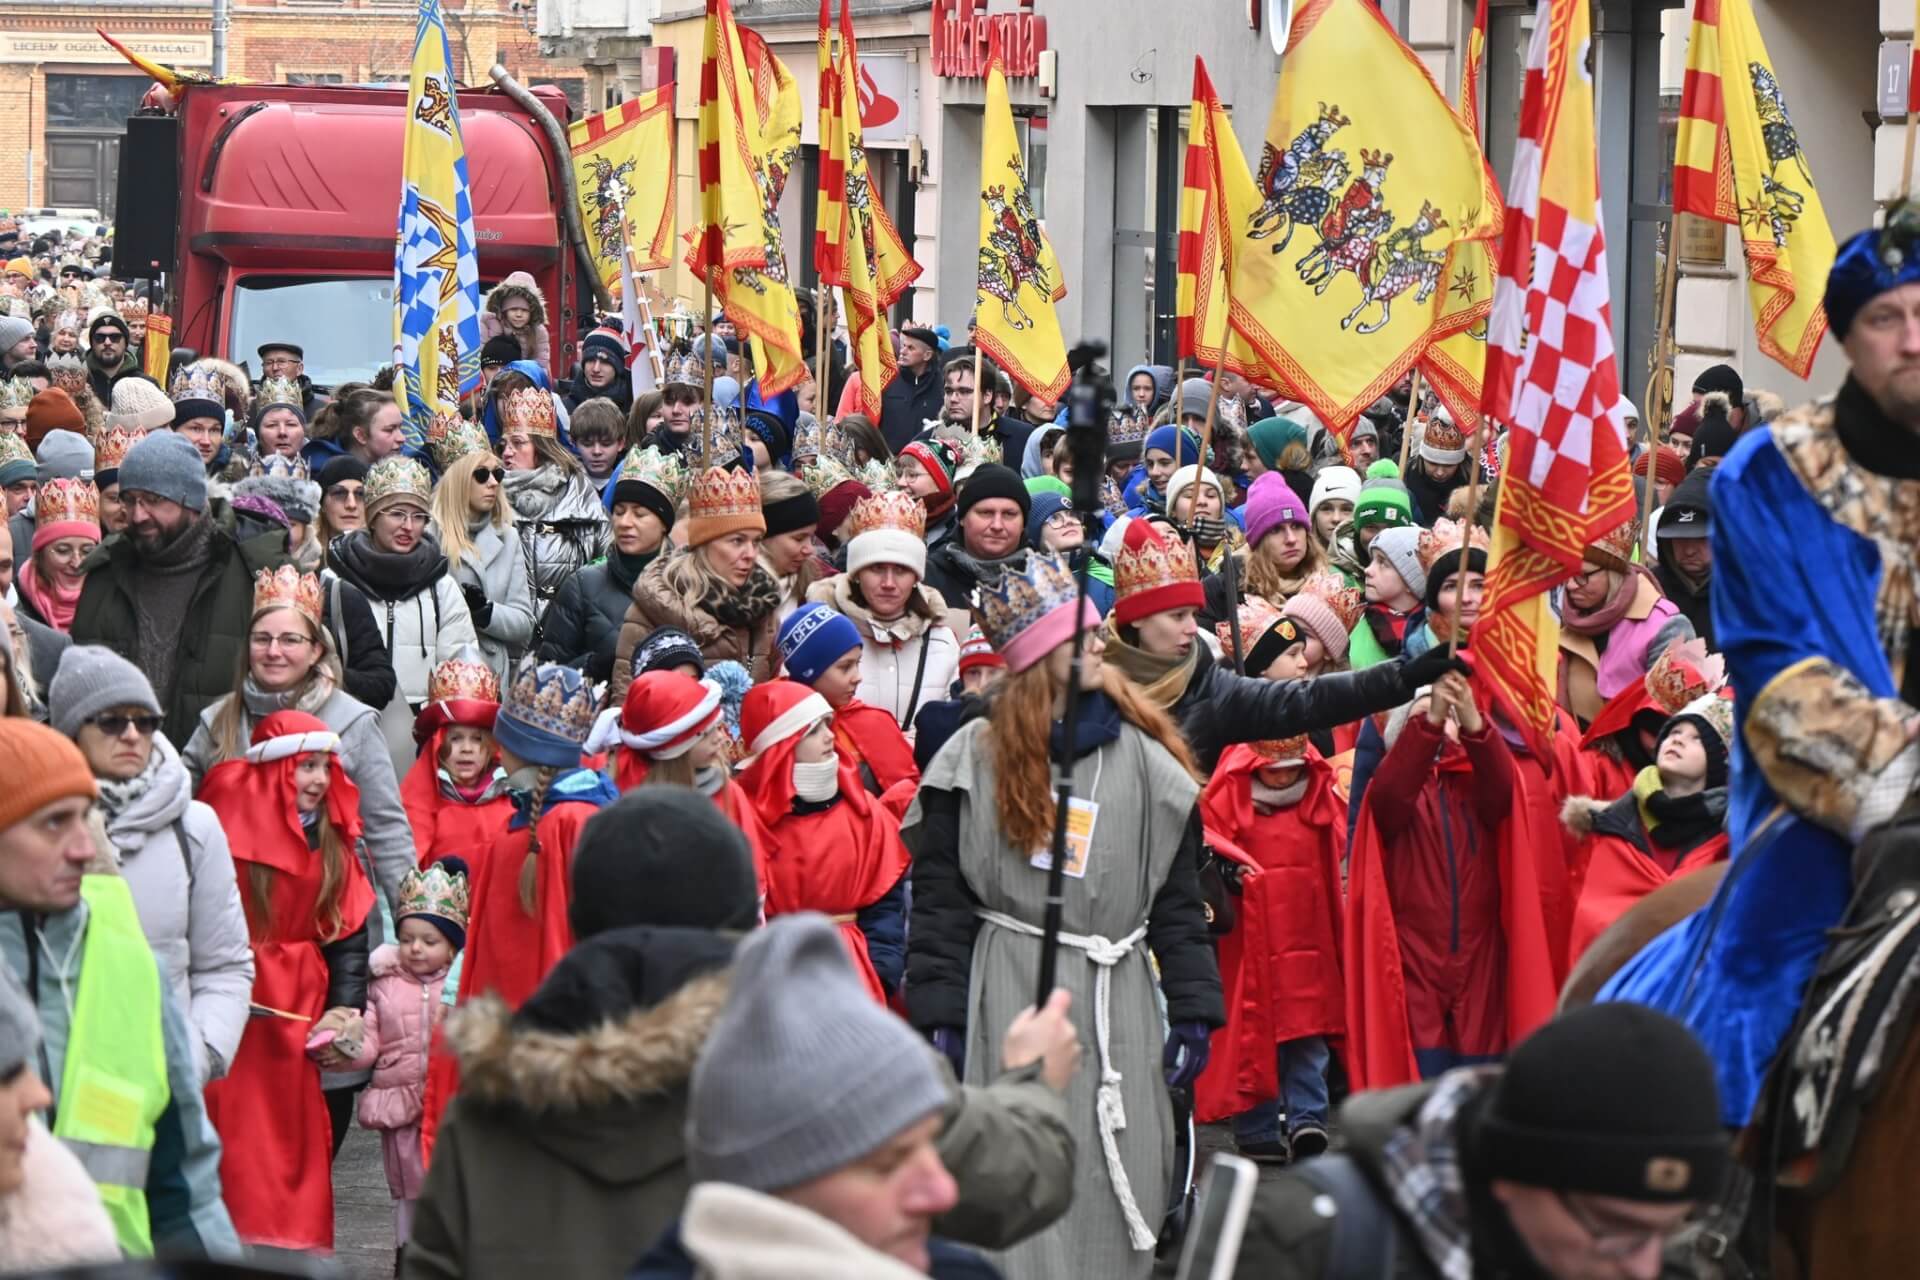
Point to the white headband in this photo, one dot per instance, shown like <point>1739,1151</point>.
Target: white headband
<point>293,744</point>
<point>801,715</point>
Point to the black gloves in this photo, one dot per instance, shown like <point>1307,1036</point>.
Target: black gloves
<point>1430,666</point>
<point>477,604</point>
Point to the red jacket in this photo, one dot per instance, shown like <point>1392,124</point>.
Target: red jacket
<point>1623,864</point>
<point>870,740</point>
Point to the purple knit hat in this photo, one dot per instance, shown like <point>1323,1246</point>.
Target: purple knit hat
<point>1271,503</point>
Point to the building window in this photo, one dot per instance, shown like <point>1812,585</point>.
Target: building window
<point>1031,128</point>
<point>93,102</point>
<point>573,87</point>
<point>315,77</point>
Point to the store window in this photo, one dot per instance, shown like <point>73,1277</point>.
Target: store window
<point>1031,128</point>
<point>315,77</point>
<point>93,102</point>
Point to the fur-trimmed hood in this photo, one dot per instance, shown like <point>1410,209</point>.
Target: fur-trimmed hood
<point>517,285</point>
<point>1581,815</point>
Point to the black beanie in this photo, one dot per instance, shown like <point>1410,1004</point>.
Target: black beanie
<point>1612,1100</point>
<point>994,481</point>
<point>343,468</point>
<point>1445,567</point>
<point>1721,377</point>
<point>639,491</point>
<point>499,349</point>
<point>662,855</point>
<point>788,514</point>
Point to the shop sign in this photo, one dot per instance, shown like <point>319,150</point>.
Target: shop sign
<point>86,46</point>
<point>886,84</point>
<point>964,33</point>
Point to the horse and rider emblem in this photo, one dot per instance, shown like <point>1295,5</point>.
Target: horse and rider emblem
<point>1012,255</point>
<point>606,201</point>
<point>1313,186</point>
<point>1778,206</point>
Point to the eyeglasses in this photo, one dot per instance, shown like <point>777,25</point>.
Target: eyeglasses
<point>286,642</point>
<point>347,492</point>
<point>487,475</point>
<point>108,336</point>
<point>113,724</point>
<point>405,515</point>
<point>1614,1241</point>
<point>1061,520</point>
<point>273,364</point>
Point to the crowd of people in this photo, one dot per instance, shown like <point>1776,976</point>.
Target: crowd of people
<point>637,806</point>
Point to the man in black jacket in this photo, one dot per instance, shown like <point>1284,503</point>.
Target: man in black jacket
<point>990,533</point>
<point>913,397</point>
<point>1685,566</point>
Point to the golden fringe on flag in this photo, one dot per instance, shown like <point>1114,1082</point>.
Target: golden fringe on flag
<point>623,167</point>
<point>1019,278</point>
<point>1367,181</point>
<point>156,352</point>
<point>1216,180</point>
<point>749,137</point>
<point>1738,159</point>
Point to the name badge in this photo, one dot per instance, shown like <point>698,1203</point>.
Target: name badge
<point>1081,815</point>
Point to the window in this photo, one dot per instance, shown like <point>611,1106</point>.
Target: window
<point>315,77</point>
<point>93,102</point>
<point>1031,128</point>
<point>574,88</point>
<point>346,326</point>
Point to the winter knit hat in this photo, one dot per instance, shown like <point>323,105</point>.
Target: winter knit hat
<point>1615,1099</point>
<point>1399,545</point>
<point>1668,466</point>
<point>938,459</point>
<point>835,505</point>
<point>978,652</point>
<point>40,767</point>
<point>1185,478</point>
<point>1334,483</point>
<point>53,410</point>
<point>1712,718</point>
<point>93,678</point>
<point>788,515</point>
<point>666,649</point>
<point>1271,502</point>
<point>14,331</point>
<point>607,343</point>
<point>139,405</point>
<point>167,466</point>
<point>1194,394</point>
<point>1326,606</point>
<point>1723,378</point>
<point>64,455</point>
<point>803,1073</point>
<point>665,857</point>
<point>994,481</point>
<point>1270,438</point>
<point>1383,498</point>
<point>1169,438</point>
<point>813,638</point>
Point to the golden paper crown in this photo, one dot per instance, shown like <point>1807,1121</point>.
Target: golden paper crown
<point>199,381</point>
<point>825,474</point>
<point>890,509</point>
<point>1283,750</point>
<point>67,372</point>
<point>281,391</point>
<point>1256,616</point>
<point>66,502</point>
<point>1442,433</point>
<point>806,439</point>
<point>287,588</point>
<point>451,437</point>
<point>718,493</point>
<point>110,447</point>
<point>1445,537</point>
<point>398,476</point>
<point>1155,563</point>
<point>15,393</point>
<point>72,319</point>
<point>1347,602</point>
<point>665,473</point>
<point>1614,549</point>
<point>13,448</point>
<point>528,409</point>
<point>463,679</point>
<point>434,892</point>
<point>1684,672</point>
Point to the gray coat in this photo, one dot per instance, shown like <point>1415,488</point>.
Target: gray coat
<point>497,565</point>
<point>172,852</point>
<point>560,526</point>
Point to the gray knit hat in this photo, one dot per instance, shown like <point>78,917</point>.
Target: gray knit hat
<point>803,1072</point>
<point>1399,545</point>
<point>12,330</point>
<point>1194,394</point>
<point>19,1025</point>
<point>167,466</point>
<point>65,455</point>
<point>90,679</point>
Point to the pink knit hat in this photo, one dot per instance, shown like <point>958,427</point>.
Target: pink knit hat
<point>1271,503</point>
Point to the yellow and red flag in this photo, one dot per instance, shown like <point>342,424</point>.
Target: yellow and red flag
<point>749,135</point>
<point>856,245</point>
<point>1019,278</point>
<point>156,352</point>
<point>623,168</point>
<point>1363,194</point>
<point>1216,184</point>
<point>1738,159</point>
<point>1455,365</point>
<point>1551,377</point>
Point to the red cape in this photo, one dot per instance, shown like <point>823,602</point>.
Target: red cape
<point>1619,875</point>
<point>443,825</point>
<point>867,735</point>
<point>1280,963</point>
<point>509,952</point>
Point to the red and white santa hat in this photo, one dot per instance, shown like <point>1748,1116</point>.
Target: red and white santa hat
<point>776,711</point>
<point>664,714</point>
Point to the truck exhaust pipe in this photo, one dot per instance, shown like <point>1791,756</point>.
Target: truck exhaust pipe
<point>576,234</point>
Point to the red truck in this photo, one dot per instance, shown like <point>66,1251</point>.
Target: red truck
<point>288,197</point>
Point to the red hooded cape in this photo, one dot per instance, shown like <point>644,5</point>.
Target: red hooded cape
<point>1280,963</point>
<point>508,951</point>
<point>867,735</point>
<point>444,824</point>
<point>1619,875</point>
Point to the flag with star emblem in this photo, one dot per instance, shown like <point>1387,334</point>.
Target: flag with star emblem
<point>436,270</point>
<point>1738,159</point>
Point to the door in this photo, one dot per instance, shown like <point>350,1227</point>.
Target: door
<point>82,170</point>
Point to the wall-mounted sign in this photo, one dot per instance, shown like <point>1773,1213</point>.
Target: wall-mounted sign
<point>85,46</point>
<point>964,32</point>
<point>885,89</point>
<point>1703,242</point>
<point>1895,66</point>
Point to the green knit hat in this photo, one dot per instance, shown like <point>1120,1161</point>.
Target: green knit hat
<point>1383,498</point>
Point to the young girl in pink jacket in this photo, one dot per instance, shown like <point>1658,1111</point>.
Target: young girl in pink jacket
<point>403,1009</point>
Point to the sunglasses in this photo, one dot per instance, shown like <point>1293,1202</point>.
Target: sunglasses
<point>113,725</point>
<point>487,475</point>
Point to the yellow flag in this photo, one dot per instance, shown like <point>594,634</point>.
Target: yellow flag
<point>156,353</point>
<point>1019,279</point>
<point>1214,165</point>
<point>623,168</point>
<point>1367,181</point>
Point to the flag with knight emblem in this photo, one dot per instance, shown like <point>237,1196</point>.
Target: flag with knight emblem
<point>1018,279</point>
<point>1367,182</point>
<point>623,169</point>
<point>436,268</point>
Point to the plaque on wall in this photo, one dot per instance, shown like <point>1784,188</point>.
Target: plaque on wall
<point>1703,242</point>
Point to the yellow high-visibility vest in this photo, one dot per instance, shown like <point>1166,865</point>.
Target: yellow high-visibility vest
<point>114,1085</point>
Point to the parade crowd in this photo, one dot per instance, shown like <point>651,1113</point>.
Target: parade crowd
<point>636,806</point>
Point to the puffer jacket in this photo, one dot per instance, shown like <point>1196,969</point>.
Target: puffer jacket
<point>54,1218</point>
<point>172,852</point>
<point>892,676</point>
<point>493,322</point>
<point>561,526</point>
<point>582,626</point>
<point>656,604</point>
<point>401,1013</point>
<point>497,567</point>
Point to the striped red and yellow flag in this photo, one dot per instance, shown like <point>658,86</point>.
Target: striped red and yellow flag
<point>830,205</point>
<point>1215,174</point>
<point>156,352</point>
<point>1737,159</point>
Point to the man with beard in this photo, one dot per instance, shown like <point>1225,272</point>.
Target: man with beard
<point>109,354</point>
<point>174,593</point>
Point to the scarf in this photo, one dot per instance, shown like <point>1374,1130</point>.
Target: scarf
<point>118,794</point>
<point>1162,680</point>
<point>1871,438</point>
<point>261,703</point>
<point>1389,626</point>
<point>1268,799</point>
<point>388,576</point>
<point>163,581</point>
<point>744,607</point>
<point>711,781</point>
<point>1600,621</point>
<point>1678,824</point>
<point>53,599</point>
<point>625,570</point>
<point>893,632</point>
<point>818,782</point>
<point>1422,1166</point>
<point>1097,724</point>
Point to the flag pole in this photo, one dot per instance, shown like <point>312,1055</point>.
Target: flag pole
<point>1659,396</point>
<point>1206,445</point>
<point>977,390</point>
<point>1906,165</point>
<point>1466,544</point>
<point>706,419</point>
<point>1406,428</point>
<point>820,393</point>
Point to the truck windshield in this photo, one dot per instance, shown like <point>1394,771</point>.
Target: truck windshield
<point>344,326</point>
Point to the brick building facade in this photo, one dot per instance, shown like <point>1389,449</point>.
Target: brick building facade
<point>64,92</point>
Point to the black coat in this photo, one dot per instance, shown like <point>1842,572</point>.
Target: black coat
<point>369,666</point>
<point>1220,708</point>
<point>907,402</point>
<point>1690,494</point>
<point>582,625</point>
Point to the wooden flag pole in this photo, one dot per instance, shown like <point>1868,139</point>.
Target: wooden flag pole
<point>1906,165</point>
<point>1658,401</point>
<point>1406,428</point>
<point>1206,446</point>
<point>978,390</point>
<point>1466,544</point>
<point>706,418</point>
<point>821,405</point>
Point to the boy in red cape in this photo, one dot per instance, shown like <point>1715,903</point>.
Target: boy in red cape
<point>822,650</point>
<point>455,793</point>
<point>1670,821</point>
<point>834,849</point>
<point>293,819</point>
<point>1621,741</point>
<point>1280,964</point>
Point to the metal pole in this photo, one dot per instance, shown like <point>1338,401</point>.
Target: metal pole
<point>219,38</point>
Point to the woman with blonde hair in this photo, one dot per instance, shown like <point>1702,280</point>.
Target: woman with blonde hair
<point>982,828</point>
<point>473,522</point>
<point>792,514</point>
<point>562,526</point>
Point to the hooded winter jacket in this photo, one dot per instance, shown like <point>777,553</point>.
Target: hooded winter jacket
<point>904,664</point>
<point>54,1219</point>
<point>1693,599</point>
<point>400,1017</point>
<point>533,340</point>
<point>560,524</point>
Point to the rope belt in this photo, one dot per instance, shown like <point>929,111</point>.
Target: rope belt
<point>1110,1107</point>
<point>849,917</point>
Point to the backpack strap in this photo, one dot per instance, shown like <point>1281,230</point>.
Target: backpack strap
<point>339,623</point>
<point>1365,1236</point>
<point>186,850</point>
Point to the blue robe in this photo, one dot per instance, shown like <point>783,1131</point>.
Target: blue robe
<point>1789,583</point>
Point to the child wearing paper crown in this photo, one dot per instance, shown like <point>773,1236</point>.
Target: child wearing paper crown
<point>403,1009</point>
<point>456,792</point>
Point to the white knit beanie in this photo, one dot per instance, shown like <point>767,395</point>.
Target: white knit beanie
<point>1334,482</point>
<point>887,546</point>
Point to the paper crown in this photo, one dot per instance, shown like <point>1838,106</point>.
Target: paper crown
<point>685,371</point>
<point>1129,426</point>
<point>1256,617</point>
<point>663,472</point>
<point>434,892</point>
<point>397,476</point>
<point>553,699</point>
<point>280,391</point>
<point>15,393</point>
<point>66,502</point>
<point>72,319</point>
<point>528,409</point>
<point>199,381</point>
<point>13,448</point>
<point>463,679</point>
<point>977,452</point>
<point>276,464</point>
<point>889,509</point>
<point>1282,750</point>
<point>825,474</point>
<point>287,588</point>
<point>1614,548</point>
<point>1445,537</point>
<point>806,440</point>
<point>1716,711</point>
<point>67,372</point>
<point>835,443</point>
<point>451,437</point>
<point>1347,602</point>
<point>724,446</point>
<point>721,492</point>
<point>110,448</point>
<point>1021,597</point>
<point>1150,576</point>
<point>1685,672</point>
